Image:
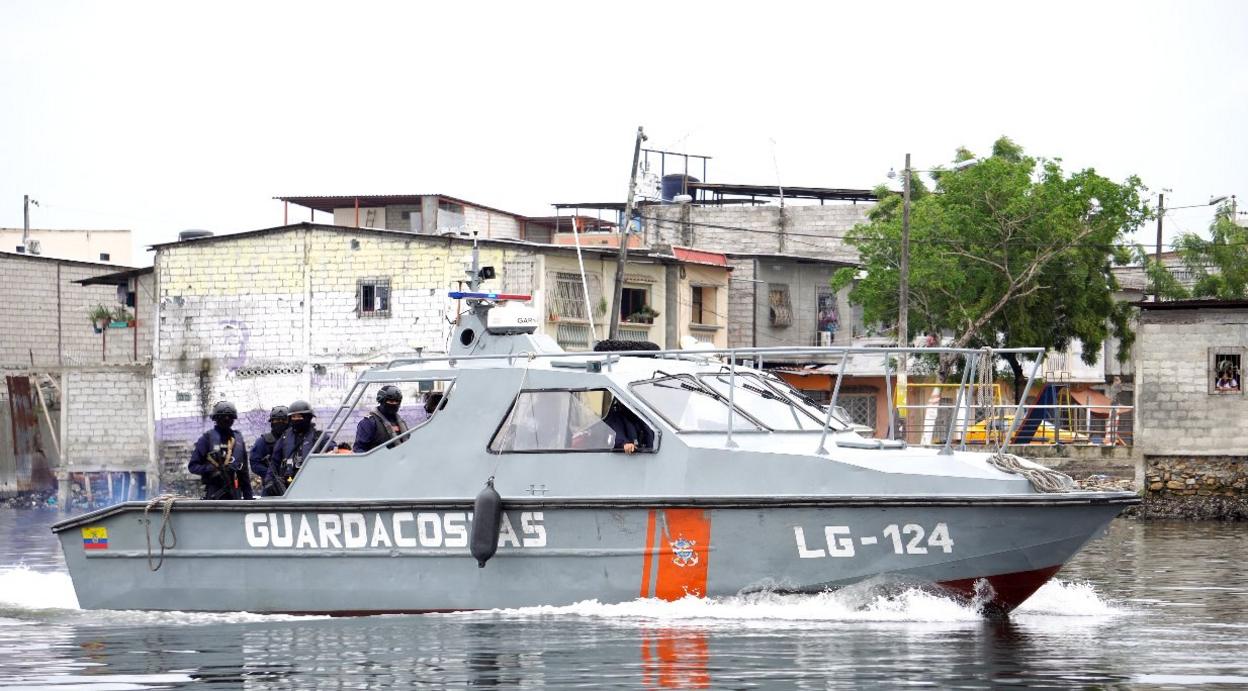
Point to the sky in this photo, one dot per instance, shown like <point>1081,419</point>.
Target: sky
<point>164,116</point>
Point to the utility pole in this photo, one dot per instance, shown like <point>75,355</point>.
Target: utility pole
<point>622,255</point>
<point>1161,213</point>
<point>903,296</point>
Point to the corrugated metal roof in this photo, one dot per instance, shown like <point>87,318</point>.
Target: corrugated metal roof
<point>340,201</point>
<point>694,256</point>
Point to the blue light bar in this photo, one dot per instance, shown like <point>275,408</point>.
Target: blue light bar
<point>456,295</point>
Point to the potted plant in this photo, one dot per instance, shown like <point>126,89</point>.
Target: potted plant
<point>100,317</point>
<point>645,315</point>
<point>120,318</point>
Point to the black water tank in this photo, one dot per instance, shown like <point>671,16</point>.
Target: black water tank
<point>673,184</point>
<point>194,234</point>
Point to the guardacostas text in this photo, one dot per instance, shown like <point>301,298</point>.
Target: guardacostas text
<point>372,530</point>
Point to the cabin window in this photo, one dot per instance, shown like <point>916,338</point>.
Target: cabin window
<point>372,297</point>
<point>422,401</point>
<point>779,307</point>
<point>1225,371</point>
<point>691,406</point>
<point>567,420</point>
<point>765,402</point>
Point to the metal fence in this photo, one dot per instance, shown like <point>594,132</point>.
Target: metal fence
<point>976,425</point>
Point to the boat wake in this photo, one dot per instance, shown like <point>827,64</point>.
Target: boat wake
<point>1056,599</point>
<point>27,595</point>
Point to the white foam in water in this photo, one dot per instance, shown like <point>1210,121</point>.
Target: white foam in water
<point>1056,599</point>
<point>25,590</point>
<point>22,588</point>
<point>1059,598</point>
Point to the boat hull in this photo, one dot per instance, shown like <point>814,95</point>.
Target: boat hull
<point>346,557</point>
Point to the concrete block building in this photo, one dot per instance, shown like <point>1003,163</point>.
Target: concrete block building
<point>75,395</point>
<point>266,317</point>
<point>1190,397</point>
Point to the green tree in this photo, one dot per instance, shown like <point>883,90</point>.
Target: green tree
<point>1219,265</point>
<point>1008,252</point>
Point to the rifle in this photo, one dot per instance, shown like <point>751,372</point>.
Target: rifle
<point>229,475</point>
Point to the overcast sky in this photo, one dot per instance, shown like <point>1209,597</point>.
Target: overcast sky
<point>164,116</point>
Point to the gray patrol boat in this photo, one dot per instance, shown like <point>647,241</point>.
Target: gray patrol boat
<point>736,483</point>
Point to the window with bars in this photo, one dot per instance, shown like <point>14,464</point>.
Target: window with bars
<point>1226,375</point>
<point>780,308</point>
<point>567,301</point>
<point>860,407</point>
<point>372,297</point>
<point>573,336</point>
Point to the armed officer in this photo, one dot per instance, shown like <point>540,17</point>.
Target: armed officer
<point>383,424</point>
<point>262,451</point>
<point>294,447</point>
<point>220,457</point>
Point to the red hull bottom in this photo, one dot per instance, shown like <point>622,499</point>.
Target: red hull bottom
<point>1000,594</point>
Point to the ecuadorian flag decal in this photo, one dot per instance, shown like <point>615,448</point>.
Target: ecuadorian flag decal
<point>95,537</point>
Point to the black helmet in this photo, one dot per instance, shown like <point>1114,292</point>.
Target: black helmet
<point>389,392</point>
<point>224,409</point>
<point>301,408</point>
<point>279,412</point>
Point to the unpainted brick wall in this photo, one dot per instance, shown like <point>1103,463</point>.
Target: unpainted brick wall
<point>106,419</point>
<point>1175,412</point>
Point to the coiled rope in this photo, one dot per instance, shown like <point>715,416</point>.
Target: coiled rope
<point>1041,478</point>
<point>166,538</point>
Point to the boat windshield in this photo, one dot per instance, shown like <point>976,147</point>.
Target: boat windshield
<point>690,406</point>
<point>771,402</point>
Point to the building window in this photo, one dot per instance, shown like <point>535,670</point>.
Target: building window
<point>703,306</point>
<point>859,407</point>
<point>571,336</point>
<point>634,306</point>
<point>1225,371</point>
<point>450,216</point>
<point>373,297</point>
<point>567,301</point>
<point>780,309</point>
<point>105,256</point>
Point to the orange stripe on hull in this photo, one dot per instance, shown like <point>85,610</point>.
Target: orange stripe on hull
<point>647,561</point>
<point>683,553</point>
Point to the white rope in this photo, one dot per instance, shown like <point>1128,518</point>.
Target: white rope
<point>166,538</point>
<point>1041,478</point>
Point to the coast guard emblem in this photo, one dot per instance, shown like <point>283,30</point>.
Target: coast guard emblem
<point>683,549</point>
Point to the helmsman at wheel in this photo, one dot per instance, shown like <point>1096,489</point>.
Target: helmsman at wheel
<point>220,457</point>
<point>382,425</point>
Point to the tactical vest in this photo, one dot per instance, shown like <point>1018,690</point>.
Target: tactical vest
<point>388,429</point>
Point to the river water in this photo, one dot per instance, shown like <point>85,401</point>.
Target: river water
<point>1148,605</point>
